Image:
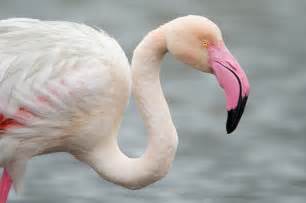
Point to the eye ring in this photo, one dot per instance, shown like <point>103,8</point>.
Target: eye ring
<point>205,43</point>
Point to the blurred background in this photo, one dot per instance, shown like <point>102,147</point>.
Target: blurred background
<point>263,161</point>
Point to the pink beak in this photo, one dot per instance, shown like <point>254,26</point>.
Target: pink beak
<point>233,80</point>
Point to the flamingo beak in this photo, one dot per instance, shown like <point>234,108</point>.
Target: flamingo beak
<point>233,80</point>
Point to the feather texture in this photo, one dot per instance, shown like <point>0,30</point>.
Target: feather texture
<point>51,74</point>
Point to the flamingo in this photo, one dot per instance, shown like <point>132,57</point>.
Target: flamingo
<point>64,88</point>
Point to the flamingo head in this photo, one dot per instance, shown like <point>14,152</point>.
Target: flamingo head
<point>197,41</point>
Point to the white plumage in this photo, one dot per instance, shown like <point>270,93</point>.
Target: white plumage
<point>64,87</point>
<point>57,71</point>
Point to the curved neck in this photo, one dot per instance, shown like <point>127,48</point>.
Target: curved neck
<point>152,104</point>
<point>135,173</point>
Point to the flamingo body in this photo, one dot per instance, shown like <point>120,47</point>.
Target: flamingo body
<point>56,79</point>
<point>64,87</point>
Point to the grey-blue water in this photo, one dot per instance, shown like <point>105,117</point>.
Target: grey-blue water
<point>264,161</point>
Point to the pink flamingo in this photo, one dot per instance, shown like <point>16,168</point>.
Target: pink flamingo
<point>64,88</point>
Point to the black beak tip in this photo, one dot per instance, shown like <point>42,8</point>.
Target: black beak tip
<point>234,115</point>
<point>229,130</point>
<point>231,123</point>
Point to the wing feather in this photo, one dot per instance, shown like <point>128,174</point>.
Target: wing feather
<point>49,67</point>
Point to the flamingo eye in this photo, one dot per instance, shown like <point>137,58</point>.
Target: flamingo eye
<point>205,43</point>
